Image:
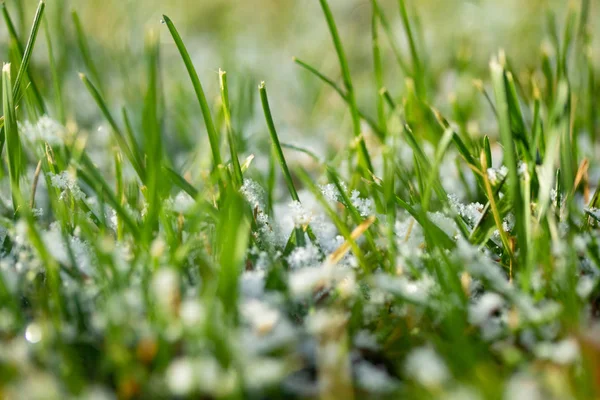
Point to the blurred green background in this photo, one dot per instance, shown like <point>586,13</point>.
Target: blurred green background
<point>255,40</point>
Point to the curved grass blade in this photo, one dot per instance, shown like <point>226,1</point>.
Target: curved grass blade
<point>370,121</point>
<point>134,159</point>
<point>84,49</point>
<point>275,142</point>
<point>208,120</point>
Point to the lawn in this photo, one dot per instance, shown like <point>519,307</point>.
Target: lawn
<point>299,199</point>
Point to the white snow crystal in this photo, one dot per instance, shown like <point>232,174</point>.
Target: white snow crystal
<point>364,206</point>
<point>66,182</point>
<point>44,130</point>
<point>426,367</point>
<point>306,256</point>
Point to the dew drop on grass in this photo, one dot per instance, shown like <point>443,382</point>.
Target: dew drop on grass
<point>33,333</point>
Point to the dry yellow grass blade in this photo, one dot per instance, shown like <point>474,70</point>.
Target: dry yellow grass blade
<point>337,255</point>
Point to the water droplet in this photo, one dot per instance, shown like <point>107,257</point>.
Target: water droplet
<point>162,21</point>
<point>33,333</point>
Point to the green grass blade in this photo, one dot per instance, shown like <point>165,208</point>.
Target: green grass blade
<point>391,40</point>
<point>152,137</point>
<point>510,154</point>
<point>377,129</point>
<point>121,140</point>
<point>14,151</point>
<point>58,95</point>
<point>378,68</point>
<point>417,66</point>
<point>208,120</point>
<point>37,20</point>
<point>364,158</point>
<point>84,49</point>
<point>275,142</point>
<point>237,169</point>
<point>25,68</point>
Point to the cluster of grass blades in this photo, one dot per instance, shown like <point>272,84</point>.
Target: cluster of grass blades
<point>143,279</point>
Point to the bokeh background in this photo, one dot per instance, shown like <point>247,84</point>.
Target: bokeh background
<point>255,40</point>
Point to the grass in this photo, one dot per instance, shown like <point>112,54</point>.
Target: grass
<point>179,252</point>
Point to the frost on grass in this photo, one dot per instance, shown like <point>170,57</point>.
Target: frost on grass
<point>67,183</point>
<point>44,130</point>
<point>425,366</point>
<point>70,250</point>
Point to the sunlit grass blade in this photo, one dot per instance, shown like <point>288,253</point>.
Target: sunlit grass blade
<point>364,158</point>
<point>208,120</point>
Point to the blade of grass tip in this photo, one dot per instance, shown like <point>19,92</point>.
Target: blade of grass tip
<point>58,96</point>
<point>208,120</point>
<point>275,142</point>
<point>510,154</point>
<point>180,182</point>
<point>37,20</point>
<point>84,49</point>
<point>567,37</point>
<point>308,152</point>
<point>488,150</point>
<point>417,67</point>
<point>479,86</point>
<point>378,130</point>
<point>13,33</point>
<point>390,36</point>
<point>14,151</point>
<point>237,169</point>
<point>364,158</point>
<point>378,68</point>
<point>97,96</point>
<point>552,27</point>
<point>385,93</point>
